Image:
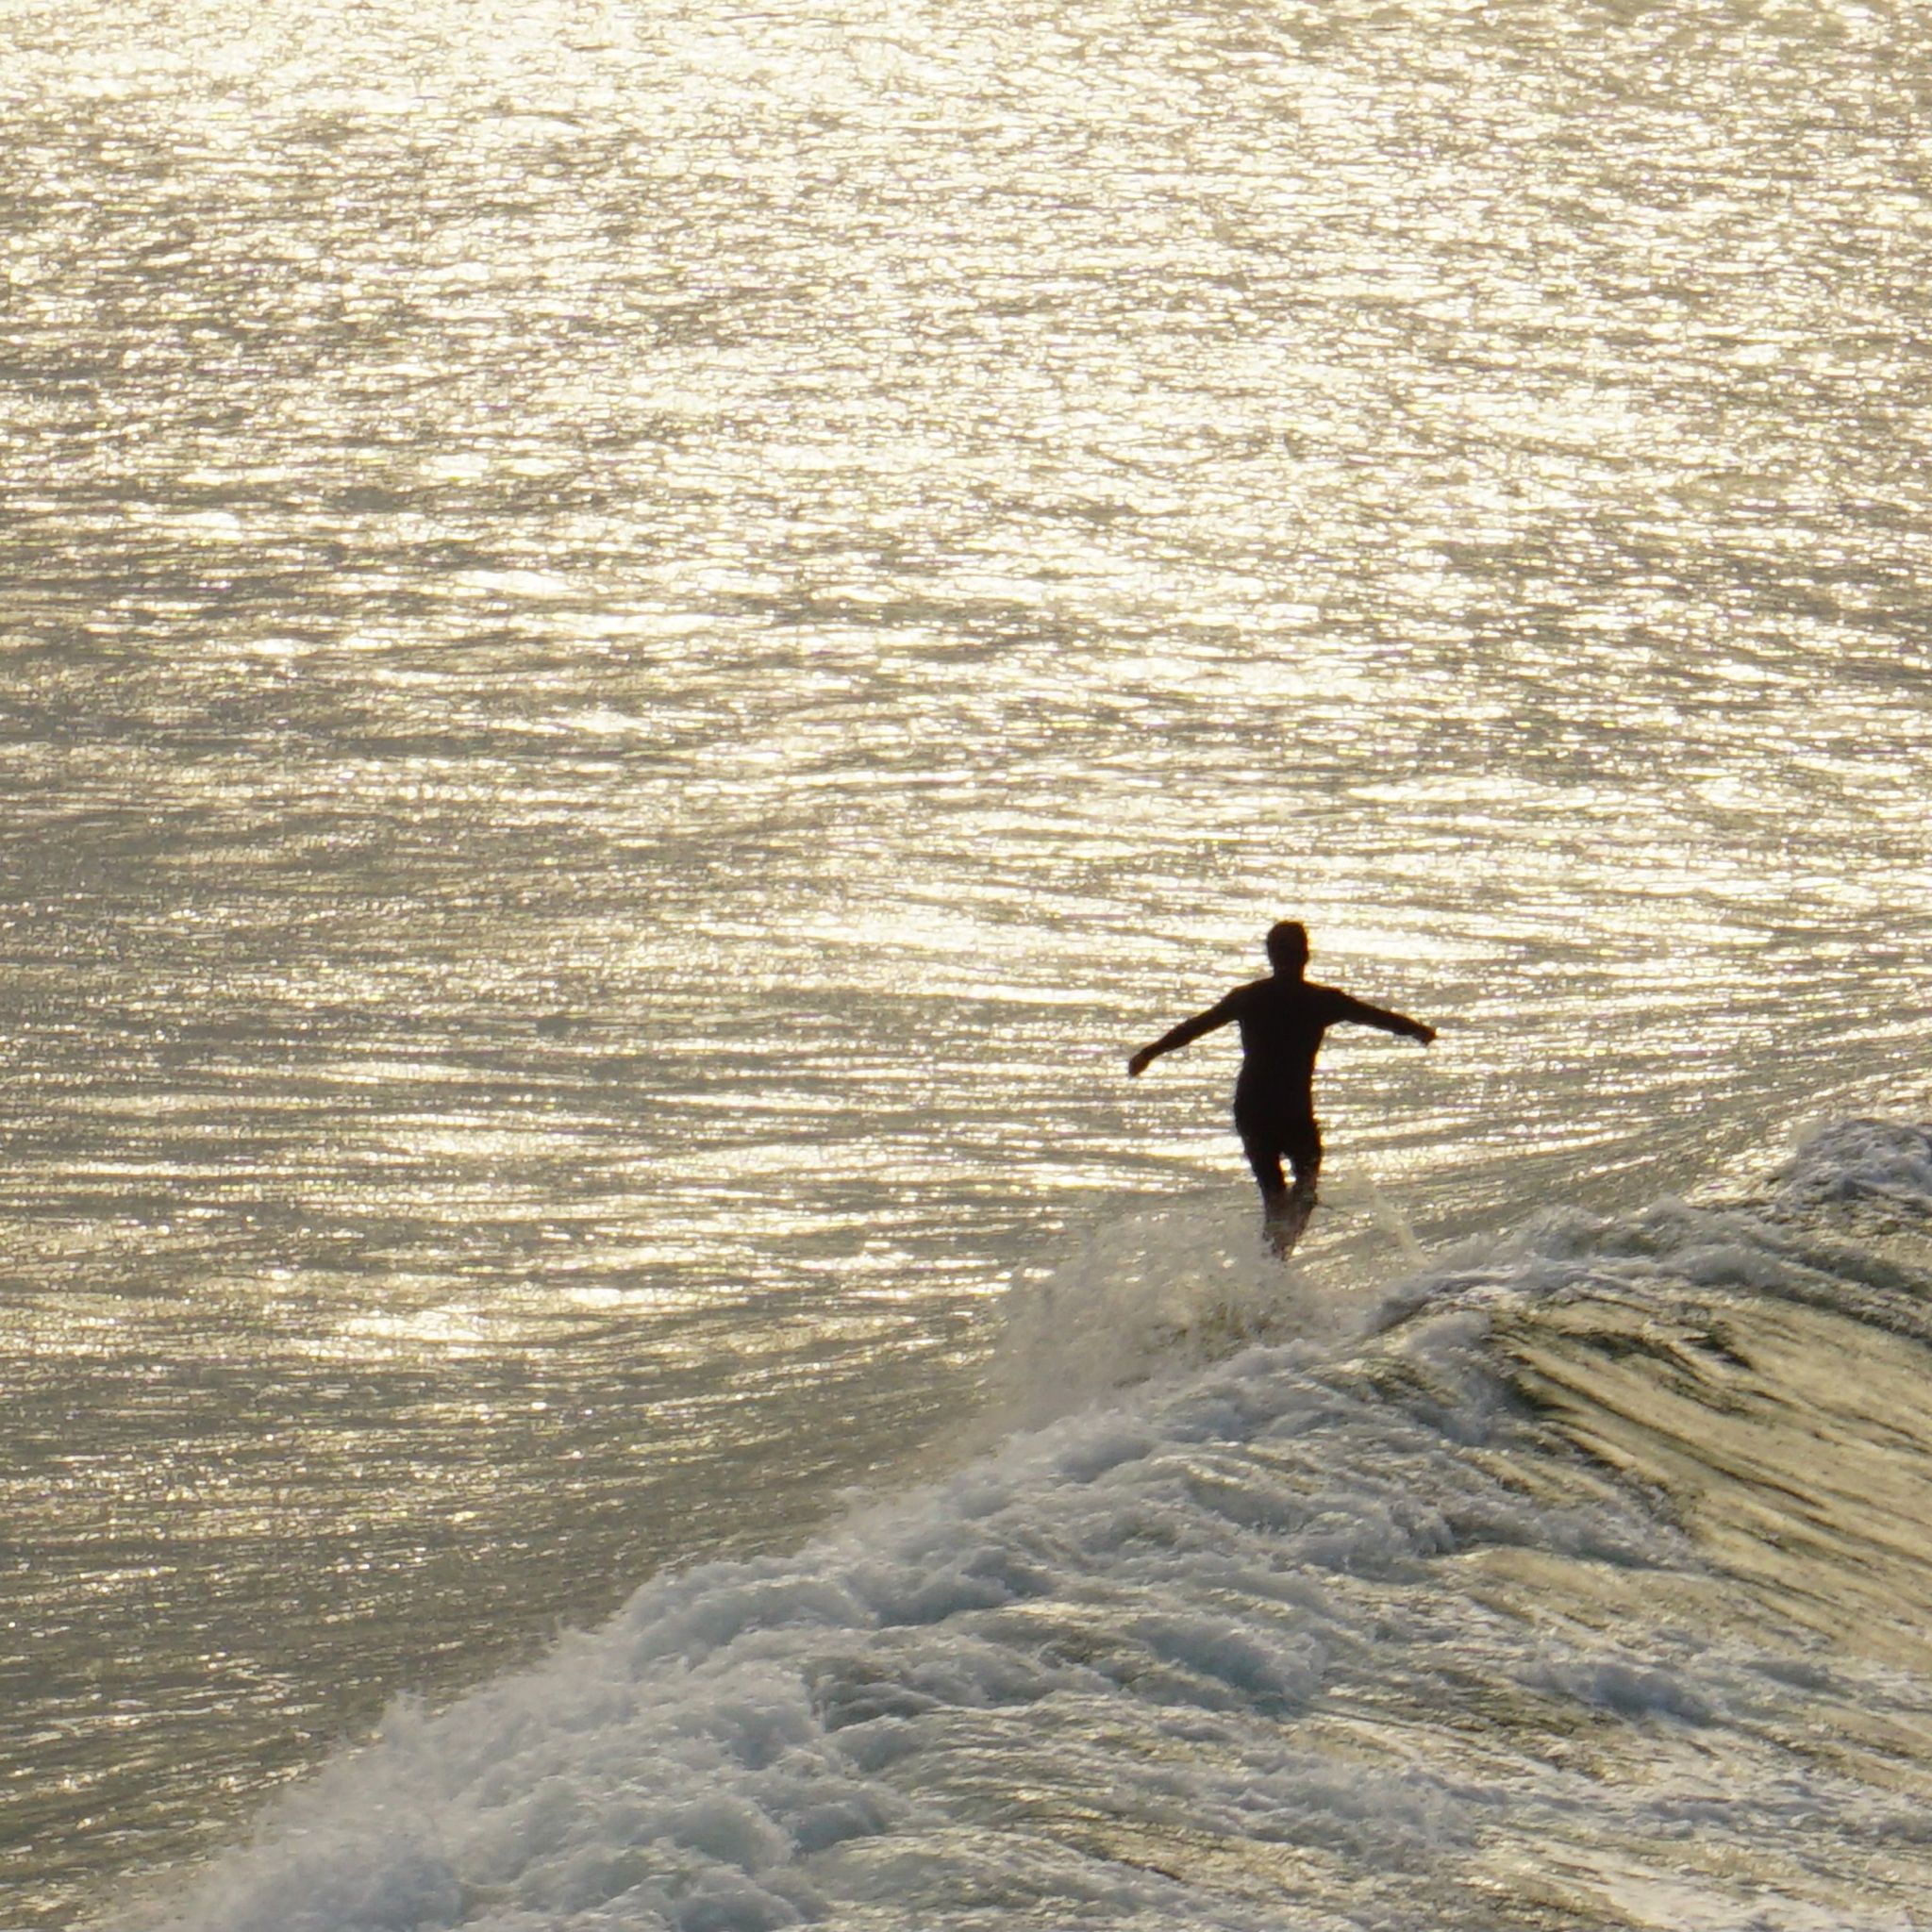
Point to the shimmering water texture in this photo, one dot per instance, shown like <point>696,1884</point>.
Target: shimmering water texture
<point>641,643</point>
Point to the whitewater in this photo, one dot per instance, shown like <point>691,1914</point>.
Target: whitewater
<point>1586,1586</point>
<point>641,643</point>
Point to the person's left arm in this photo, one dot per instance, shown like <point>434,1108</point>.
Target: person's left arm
<point>1219,1014</point>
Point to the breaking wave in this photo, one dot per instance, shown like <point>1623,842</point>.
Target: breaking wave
<point>1573,1578</point>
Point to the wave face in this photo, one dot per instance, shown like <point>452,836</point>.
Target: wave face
<point>1584,1583</point>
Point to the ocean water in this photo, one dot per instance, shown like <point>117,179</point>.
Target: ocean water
<point>641,643</point>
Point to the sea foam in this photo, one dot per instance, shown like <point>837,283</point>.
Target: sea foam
<point>1334,1631</point>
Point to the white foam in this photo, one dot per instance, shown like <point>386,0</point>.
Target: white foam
<point>1238,1648</point>
<point>1160,1291</point>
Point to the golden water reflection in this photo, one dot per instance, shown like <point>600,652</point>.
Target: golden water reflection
<point>641,645</point>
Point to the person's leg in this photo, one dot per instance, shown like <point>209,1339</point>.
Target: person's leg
<point>1284,1209</point>
<point>1302,1143</point>
<point>1287,1218</point>
<point>1262,1145</point>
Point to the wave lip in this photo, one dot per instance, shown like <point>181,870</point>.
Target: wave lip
<point>1864,1161</point>
<point>1484,1620</point>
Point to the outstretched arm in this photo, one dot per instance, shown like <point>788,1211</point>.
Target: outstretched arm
<point>1217,1015</point>
<point>1365,1015</point>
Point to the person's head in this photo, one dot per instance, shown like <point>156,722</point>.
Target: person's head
<point>1288,947</point>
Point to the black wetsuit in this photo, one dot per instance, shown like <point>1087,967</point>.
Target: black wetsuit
<point>1282,1021</point>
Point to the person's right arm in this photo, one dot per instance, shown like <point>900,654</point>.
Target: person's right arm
<point>1349,1008</point>
<point>1217,1015</point>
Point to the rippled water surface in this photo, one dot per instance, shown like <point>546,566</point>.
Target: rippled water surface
<point>640,643</point>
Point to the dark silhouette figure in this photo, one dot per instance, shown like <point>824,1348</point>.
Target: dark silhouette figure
<point>1282,1021</point>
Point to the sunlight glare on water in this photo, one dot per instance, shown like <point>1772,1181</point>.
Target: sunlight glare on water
<point>643,643</point>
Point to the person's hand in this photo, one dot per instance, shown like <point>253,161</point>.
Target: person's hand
<point>1140,1063</point>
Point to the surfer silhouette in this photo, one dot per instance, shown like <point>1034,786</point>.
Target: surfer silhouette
<point>1282,1020</point>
